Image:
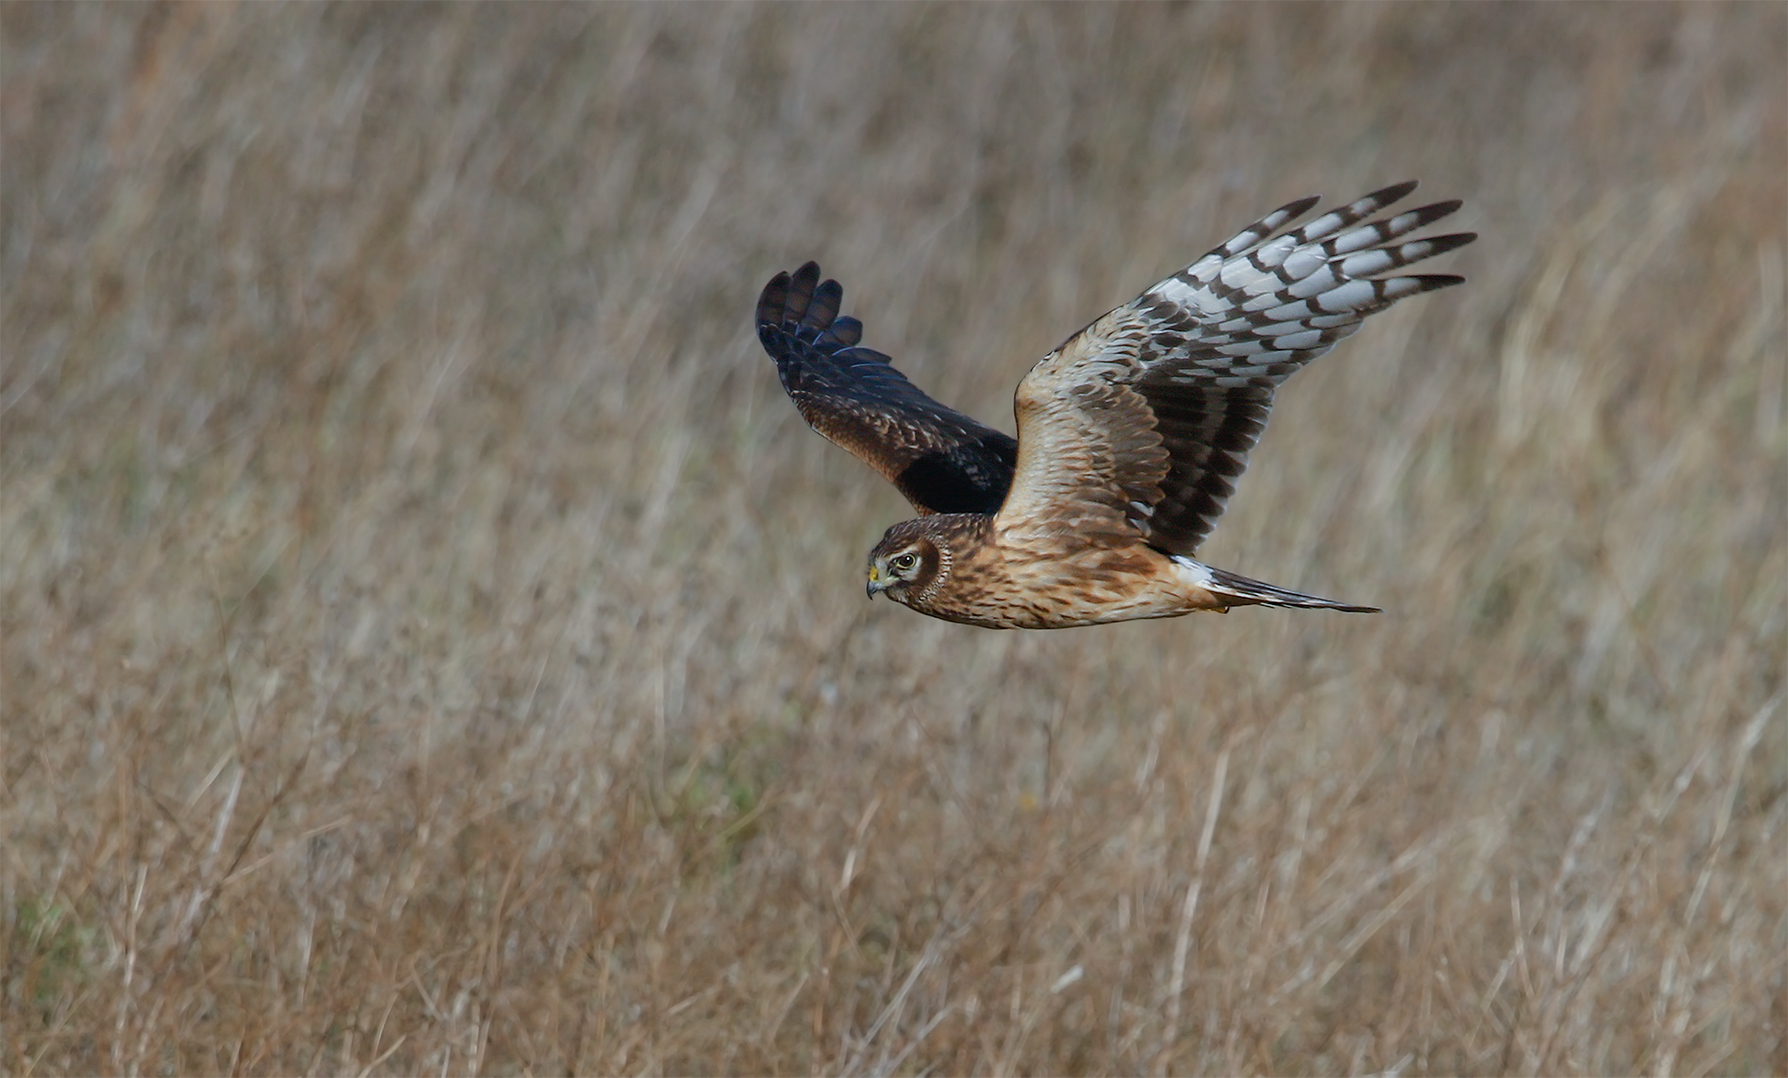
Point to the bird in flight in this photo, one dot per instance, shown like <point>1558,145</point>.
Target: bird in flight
<point>1131,434</point>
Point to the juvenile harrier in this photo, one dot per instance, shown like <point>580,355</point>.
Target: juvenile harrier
<point>1130,435</point>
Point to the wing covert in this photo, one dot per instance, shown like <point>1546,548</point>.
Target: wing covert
<point>941,460</point>
<point>1089,456</point>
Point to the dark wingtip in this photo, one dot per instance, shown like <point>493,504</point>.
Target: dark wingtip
<point>788,297</point>
<point>771,300</point>
<point>1395,191</point>
<point>801,284</point>
<point>1452,241</point>
<point>822,306</point>
<point>1297,209</point>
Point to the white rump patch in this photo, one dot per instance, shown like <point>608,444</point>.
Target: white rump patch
<point>1195,572</point>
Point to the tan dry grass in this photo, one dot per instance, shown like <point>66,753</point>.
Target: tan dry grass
<point>432,643</point>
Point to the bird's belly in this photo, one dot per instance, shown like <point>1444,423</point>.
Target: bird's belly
<point>1092,588</point>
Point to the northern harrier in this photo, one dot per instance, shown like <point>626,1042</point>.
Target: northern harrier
<point>1130,435</point>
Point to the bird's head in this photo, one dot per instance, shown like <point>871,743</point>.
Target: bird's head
<point>910,562</point>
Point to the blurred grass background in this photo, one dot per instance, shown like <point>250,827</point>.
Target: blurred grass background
<point>433,643</point>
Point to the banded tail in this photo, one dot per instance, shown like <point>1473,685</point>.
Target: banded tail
<point>1248,592</point>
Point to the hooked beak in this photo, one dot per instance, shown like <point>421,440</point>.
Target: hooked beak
<point>876,584</point>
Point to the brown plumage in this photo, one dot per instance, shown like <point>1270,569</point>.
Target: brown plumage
<point>1131,434</point>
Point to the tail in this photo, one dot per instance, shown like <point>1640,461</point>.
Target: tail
<point>1248,592</point>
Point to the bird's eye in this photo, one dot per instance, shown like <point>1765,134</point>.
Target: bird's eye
<point>906,561</point>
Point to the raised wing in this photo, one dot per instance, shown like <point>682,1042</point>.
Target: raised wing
<point>1144,419</point>
<point>942,460</point>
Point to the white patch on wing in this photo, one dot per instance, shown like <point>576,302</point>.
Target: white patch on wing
<point>1319,280</point>
<point>1371,262</point>
<point>1349,296</point>
<point>1305,261</point>
<point>1297,341</point>
<point>1323,225</point>
<point>1240,274</point>
<point>1174,290</point>
<point>1276,252</point>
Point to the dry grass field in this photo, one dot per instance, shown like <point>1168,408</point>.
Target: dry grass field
<point>433,643</point>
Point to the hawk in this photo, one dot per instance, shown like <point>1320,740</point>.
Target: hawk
<point>1131,434</point>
